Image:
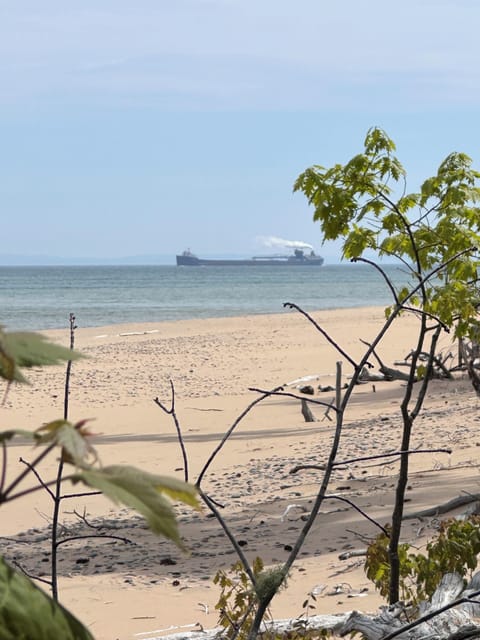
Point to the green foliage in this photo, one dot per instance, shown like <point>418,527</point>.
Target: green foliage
<point>143,492</point>
<point>27,613</point>
<point>238,602</point>
<point>377,567</point>
<point>434,229</point>
<point>238,599</point>
<point>22,349</point>
<point>455,550</point>
<point>72,438</point>
<point>301,630</point>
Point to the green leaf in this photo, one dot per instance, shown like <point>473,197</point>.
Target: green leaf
<point>143,491</point>
<point>28,613</point>
<point>72,438</point>
<point>29,350</point>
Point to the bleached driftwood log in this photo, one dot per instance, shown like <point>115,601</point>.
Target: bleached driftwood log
<point>445,507</point>
<point>435,622</point>
<point>281,627</point>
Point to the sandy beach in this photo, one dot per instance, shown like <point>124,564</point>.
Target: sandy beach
<point>140,586</point>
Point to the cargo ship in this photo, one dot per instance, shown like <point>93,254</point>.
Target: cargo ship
<point>298,258</point>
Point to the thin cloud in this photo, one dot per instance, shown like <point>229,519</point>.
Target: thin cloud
<point>247,55</point>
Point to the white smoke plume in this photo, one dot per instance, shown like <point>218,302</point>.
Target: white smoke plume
<point>273,241</point>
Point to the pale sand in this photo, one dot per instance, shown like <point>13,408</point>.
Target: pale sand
<point>125,591</point>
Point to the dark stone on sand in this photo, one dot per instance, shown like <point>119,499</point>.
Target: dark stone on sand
<point>242,543</point>
<point>287,547</point>
<point>308,389</point>
<point>82,560</point>
<point>168,561</point>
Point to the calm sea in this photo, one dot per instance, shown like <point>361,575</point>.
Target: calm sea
<point>43,297</point>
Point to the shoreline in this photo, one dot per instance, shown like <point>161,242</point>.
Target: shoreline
<point>140,323</point>
<point>124,329</point>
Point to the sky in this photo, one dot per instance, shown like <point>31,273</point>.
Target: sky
<point>141,128</point>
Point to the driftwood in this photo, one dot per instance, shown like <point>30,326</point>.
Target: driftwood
<point>437,621</point>
<point>438,364</point>
<point>469,353</point>
<point>448,616</point>
<point>445,507</point>
<point>388,373</point>
<point>306,412</point>
<point>354,553</point>
<point>366,376</point>
<point>280,627</point>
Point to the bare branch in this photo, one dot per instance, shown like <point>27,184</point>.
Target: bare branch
<point>360,511</point>
<point>287,394</point>
<point>172,413</point>
<point>5,497</point>
<point>390,455</point>
<point>83,494</point>
<point>292,305</point>
<point>229,534</point>
<point>30,575</point>
<point>94,535</point>
<point>37,475</point>
<point>229,433</point>
<point>4,466</point>
<point>83,518</point>
<point>384,275</point>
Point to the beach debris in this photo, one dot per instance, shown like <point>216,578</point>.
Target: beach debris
<point>307,412</point>
<point>359,594</point>
<point>445,507</point>
<point>388,373</point>
<point>328,387</point>
<point>455,622</point>
<point>290,508</point>
<point>353,553</point>
<point>307,389</point>
<point>366,376</point>
<point>308,378</point>
<point>318,589</point>
<point>341,588</point>
<point>137,333</point>
<point>458,622</point>
<point>196,626</point>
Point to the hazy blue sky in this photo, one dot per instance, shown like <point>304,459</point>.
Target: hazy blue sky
<point>149,126</point>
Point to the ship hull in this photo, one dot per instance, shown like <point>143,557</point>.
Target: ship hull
<point>307,261</point>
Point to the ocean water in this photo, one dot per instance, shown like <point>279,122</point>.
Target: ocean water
<point>36,298</point>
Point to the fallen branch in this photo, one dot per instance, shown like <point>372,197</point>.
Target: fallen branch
<point>445,507</point>
<point>354,553</point>
<point>306,412</point>
<point>388,372</point>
